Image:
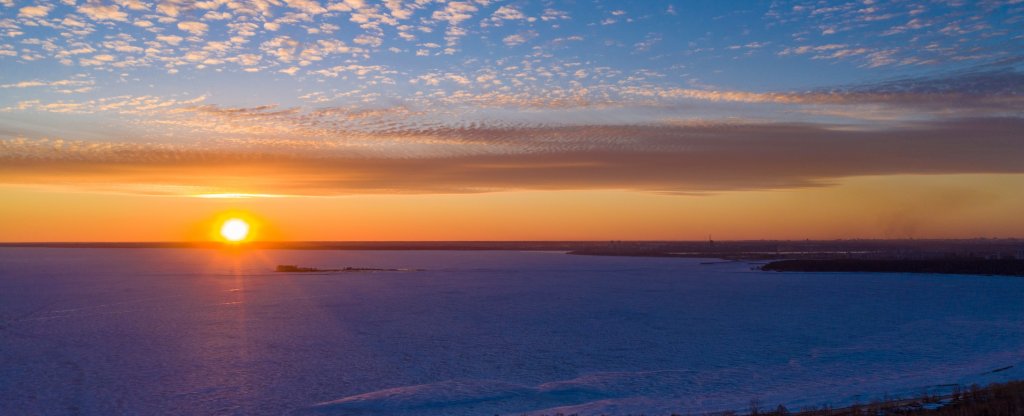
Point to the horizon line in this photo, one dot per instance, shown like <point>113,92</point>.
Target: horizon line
<point>285,242</point>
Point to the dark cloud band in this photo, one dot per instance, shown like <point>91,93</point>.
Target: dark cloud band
<point>660,158</point>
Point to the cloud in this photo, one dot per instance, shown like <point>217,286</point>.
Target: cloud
<point>368,40</point>
<point>101,12</point>
<point>34,11</point>
<point>657,158</point>
<point>122,104</point>
<point>880,34</point>
<point>195,28</point>
<point>169,8</point>
<point>519,38</point>
<point>24,84</point>
<point>170,39</point>
<point>454,13</point>
<point>58,83</point>
<point>1000,90</point>
<point>552,14</point>
<point>507,13</point>
<point>306,6</point>
<point>133,4</point>
<point>943,37</point>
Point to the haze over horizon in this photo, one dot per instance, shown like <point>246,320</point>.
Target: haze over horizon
<point>135,120</point>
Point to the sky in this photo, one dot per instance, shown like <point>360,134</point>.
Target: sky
<point>142,120</point>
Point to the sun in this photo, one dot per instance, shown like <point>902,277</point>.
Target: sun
<point>234,230</point>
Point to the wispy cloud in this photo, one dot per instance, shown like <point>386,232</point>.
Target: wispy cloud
<point>961,93</point>
<point>58,83</point>
<point>974,93</point>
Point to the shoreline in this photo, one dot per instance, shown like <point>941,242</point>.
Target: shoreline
<point>954,257</point>
<point>994,399</point>
<point>952,266</point>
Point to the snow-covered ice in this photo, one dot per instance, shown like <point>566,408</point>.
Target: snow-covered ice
<point>164,331</point>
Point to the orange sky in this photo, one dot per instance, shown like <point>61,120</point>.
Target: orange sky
<point>919,206</point>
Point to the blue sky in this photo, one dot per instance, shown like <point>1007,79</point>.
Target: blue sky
<point>531,83</point>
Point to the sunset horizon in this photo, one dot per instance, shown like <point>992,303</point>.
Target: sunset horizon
<point>512,207</point>
<point>480,120</point>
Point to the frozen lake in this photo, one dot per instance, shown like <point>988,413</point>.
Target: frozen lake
<point>189,331</point>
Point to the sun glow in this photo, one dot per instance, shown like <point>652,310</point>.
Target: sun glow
<point>234,230</point>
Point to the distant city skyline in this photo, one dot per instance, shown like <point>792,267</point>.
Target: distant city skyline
<point>134,120</point>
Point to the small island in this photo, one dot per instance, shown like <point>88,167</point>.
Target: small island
<point>292,268</point>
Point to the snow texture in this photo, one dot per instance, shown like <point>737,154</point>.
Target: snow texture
<point>165,331</point>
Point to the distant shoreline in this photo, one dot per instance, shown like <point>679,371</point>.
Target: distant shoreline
<point>995,267</point>
<point>974,256</point>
